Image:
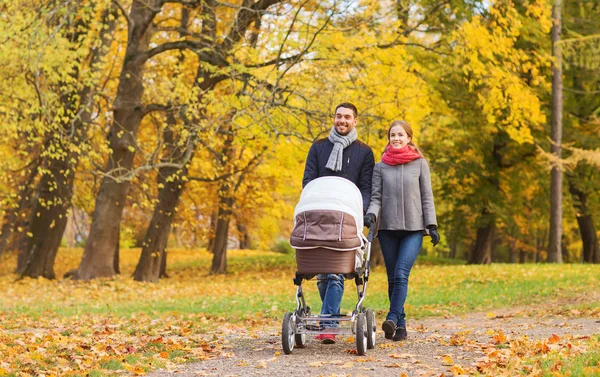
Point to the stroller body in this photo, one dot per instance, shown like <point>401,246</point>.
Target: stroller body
<point>328,239</point>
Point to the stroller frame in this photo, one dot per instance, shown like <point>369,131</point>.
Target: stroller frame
<point>300,323</point>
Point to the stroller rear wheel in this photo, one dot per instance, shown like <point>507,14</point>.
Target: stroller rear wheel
<point>288,334</point>
<point>300,340</point>
<point>371,329</point>
<point>361,334</point>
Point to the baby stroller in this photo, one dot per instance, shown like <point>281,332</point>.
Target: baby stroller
<point>327,236</point>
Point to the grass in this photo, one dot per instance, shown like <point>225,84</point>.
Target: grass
<point>260,284</point>
<point>565,362</point>
<point>115,325</point>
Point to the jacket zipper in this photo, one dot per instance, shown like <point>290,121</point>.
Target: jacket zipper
<point>402,206</point>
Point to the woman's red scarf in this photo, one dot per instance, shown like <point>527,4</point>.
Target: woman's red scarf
<point>398,156</point>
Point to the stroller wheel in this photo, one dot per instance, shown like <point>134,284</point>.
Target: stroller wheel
<point>361,334</point>
<point>300,340</point>
<point>371,328</point>
<point>287,334</point>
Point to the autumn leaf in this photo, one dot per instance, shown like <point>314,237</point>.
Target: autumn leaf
<point>401,355</point>
<point>553,339</point>
<point>499,338</point>
<point>457,370</point>
<point>447,361</point>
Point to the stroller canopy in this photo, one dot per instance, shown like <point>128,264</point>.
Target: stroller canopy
<point>332,193</point>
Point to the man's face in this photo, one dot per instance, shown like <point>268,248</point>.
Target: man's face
<point>344,121</point>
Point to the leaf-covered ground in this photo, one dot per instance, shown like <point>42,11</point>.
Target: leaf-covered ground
<point>517,342</point>
<point>118,326</point>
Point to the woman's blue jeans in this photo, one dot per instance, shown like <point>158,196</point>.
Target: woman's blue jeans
<point>331,290</point>
<point>400,249</point>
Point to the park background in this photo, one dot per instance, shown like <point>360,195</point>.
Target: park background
<point>164,141</point>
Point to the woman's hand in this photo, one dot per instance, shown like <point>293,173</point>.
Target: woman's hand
<point>370,220</point>
<point>435,236</point>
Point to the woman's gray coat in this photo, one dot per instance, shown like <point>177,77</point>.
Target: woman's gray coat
<point>401,196</point>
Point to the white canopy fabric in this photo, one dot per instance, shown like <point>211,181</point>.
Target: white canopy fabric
<point>332,193</point>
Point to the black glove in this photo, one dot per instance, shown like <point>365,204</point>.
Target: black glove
<point>369,220</point>
<point>435,236</point>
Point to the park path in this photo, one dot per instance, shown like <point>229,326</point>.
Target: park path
<point>436,347</point>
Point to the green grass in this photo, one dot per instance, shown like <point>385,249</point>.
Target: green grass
<point>112,365</point>
<point>259,284</point>
<point>583,365</point>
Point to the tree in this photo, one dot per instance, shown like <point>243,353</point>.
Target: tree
<point>581,30</point>
<point>55,187</point>
<point>98,255</point>
<point>556,212</point>
<point>493,112</point>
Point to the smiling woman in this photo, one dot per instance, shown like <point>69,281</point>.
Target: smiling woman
<point>402,198</point>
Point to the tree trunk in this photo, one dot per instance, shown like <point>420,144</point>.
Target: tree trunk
<point>98,255</point>
<point>117,258</point>
<point>554,246</point>
<point>585,221</point>
<point>514,253</point>
<point>163,265</point>
<point>243,236</point>
<point>157,235</point>
<point>522,256</point>
<point>213,226</point>
<point>219,250</point>
<point>49,220</point>
<point>452,243</point>
<point>12,218</point>
<point>482,251</point>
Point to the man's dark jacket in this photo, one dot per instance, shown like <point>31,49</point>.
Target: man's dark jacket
<point>357,166</point>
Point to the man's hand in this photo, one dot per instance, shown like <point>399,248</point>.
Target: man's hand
<point>369,220</point>
<point>435,236</point>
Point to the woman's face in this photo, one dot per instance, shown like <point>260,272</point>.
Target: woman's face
<point>398,137</point>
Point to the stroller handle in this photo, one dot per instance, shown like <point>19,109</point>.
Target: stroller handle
<point>372,232</point>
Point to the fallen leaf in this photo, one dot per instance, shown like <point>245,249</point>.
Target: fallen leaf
<point>553,339</point>
<point>499,338</point>
<point>457,370</point>
<point>447,361</point>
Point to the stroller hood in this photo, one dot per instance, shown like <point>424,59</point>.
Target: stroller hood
<point>335,194</point>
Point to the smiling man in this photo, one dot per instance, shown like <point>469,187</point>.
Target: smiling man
<point>340,154</point>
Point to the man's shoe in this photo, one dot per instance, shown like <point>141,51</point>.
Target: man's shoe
<point>389,327</point>
<point>326,338</point>
<point>400,334</point>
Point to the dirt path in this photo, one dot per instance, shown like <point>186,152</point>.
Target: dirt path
<point>433,347</point>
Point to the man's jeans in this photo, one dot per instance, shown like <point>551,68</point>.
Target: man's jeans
<point>331,289</point>
<point>400,249</point>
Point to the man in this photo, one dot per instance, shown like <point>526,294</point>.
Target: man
<point>340,154</point>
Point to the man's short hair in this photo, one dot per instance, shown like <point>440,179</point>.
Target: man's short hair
<point>348,105</point>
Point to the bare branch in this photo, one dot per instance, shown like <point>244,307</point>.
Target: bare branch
<point>124,13</point>
<point>156,107</point>
<point>188,3</point>
<point>246,15</point>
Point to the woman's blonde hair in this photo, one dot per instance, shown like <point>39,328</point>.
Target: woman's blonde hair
<point>409,132</point>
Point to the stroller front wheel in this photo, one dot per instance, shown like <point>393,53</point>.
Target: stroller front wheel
<point>371,329</point>
<point>361,334</point>
<point>288,334</point>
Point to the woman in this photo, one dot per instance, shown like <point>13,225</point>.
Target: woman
<point>403,198</point>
